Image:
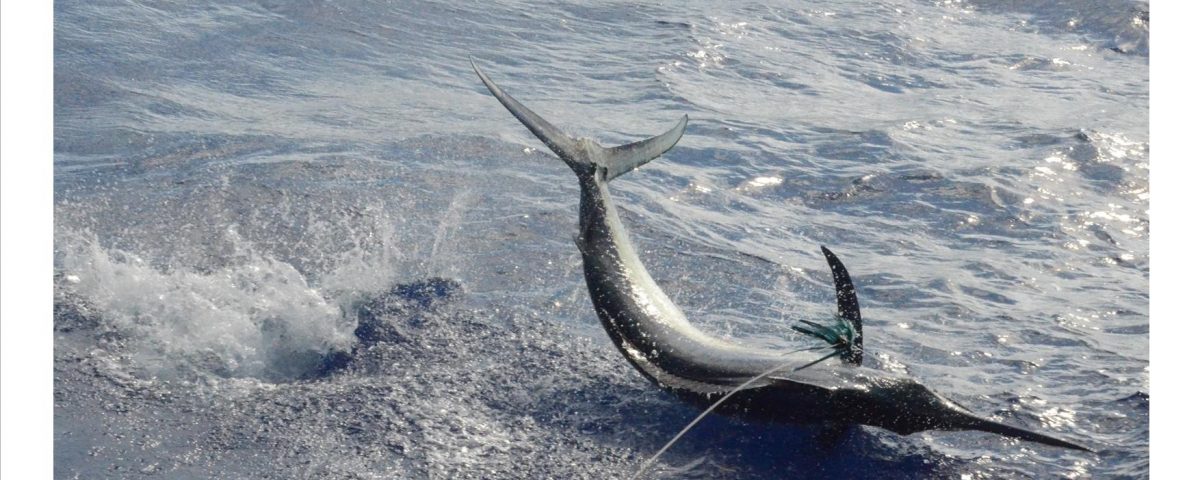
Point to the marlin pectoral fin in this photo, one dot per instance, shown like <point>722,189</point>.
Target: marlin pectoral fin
<point>563,145</point>
<point>847,301</point>
<point>624,158</point>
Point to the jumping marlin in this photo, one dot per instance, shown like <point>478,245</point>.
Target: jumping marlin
<point>655,336</point>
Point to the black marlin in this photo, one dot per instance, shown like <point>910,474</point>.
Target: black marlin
<point>655,336</point>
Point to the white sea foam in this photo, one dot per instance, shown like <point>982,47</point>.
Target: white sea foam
<point>257,317</point>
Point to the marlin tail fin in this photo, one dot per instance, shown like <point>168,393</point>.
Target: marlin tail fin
<point>582,155</point>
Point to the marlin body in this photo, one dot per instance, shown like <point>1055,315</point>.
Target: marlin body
<point>655,336</point>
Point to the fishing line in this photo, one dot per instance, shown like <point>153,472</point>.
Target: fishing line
<point>721,400</point>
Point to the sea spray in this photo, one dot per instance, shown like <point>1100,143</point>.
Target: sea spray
<point>256,317</point>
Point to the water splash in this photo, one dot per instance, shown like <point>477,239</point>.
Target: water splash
<point>256,317</point>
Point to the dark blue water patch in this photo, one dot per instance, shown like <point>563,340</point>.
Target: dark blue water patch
<point>673,24</point>
<point>1138,400</point>
<point>390,318</point>
<point>1103,176</point>
<point>1038,140</point>
<point>384,318</point>
<point>1142,329</point>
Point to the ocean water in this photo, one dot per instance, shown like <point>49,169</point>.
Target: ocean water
<point>300,240</point>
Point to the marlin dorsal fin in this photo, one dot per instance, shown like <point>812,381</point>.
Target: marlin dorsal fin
<point>847,301</point>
